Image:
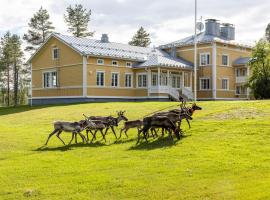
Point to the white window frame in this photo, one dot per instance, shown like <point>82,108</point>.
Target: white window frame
<point>51,81</point>
<point>176,76</point>
<point>116,65</point>
<point>228,84</point>
<point>137,82</point>
<point>152,78</point>
<point>129,63</point>
<point>118,79</point>
<point>228,60</point>
<point>131,80</point>
<point>100,59</point>
<point>205,54</point>
<point>58,54</point>
<point>99,71</point>
<point>205,78</point>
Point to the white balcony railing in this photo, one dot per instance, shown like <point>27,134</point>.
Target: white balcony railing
<point>172,91</point>
<point>241,79</point>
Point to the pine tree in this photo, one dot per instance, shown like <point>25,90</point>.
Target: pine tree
<point>39,29</point>
<point>6,63</point>
<point>267,33</point>
<point>16,59</point>
<point>141,38</point>
<point>77,19</point>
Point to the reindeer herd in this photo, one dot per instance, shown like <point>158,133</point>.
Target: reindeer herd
<point>168,122</point>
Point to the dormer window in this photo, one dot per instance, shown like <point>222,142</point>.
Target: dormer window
<point>55,53</point>
<point>114,63</point>
<point>100,61</point>
<point>128,64</point>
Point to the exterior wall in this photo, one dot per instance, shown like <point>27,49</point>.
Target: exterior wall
<point>68,67</point>
<point>227,72</point>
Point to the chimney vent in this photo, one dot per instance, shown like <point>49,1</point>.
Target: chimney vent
<point>212,27</point>
<point>228,31</point>
<point>104,38</point>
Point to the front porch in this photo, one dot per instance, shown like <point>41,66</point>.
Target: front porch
<point>171,82</point>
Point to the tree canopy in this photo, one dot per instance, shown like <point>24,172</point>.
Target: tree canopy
<point>260,66</point>
<point>40,28</point>
<point>141,38</point>
<point>77,19</point>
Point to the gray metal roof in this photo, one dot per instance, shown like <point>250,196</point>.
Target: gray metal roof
<point>157,60</point>
<point>109,49</point>
<point>241,61</point>
<point>203,38</point>
<point>142,55</point>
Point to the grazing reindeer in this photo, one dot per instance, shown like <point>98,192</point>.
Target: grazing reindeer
<point>131,124</point>
<point>112,121</point>
<point>174,117</point>
<point>158,122</point>
<point>188,110</point>
<point>73,127</point>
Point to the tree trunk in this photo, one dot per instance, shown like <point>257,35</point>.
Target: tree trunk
<point>15,84</point>
<point>8,82</point>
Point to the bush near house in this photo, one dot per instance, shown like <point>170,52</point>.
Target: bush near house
<point>225,155</point>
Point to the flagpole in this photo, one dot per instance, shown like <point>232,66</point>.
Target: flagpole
<point>195,54</point>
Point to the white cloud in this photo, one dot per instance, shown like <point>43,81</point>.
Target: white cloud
<point>166,20</point>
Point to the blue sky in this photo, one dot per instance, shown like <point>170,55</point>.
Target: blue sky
<point>166,20</point>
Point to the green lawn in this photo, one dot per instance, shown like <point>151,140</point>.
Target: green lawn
<point>225,155</point>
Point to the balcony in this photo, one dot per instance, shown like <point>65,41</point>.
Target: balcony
<point>241,79</point>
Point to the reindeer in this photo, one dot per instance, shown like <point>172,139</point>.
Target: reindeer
<point>158,122</point>
<point>174,117</point>
<point>188,110</point>
<point>112,121</point>
<point>73,127</point>
<point>131,124</point>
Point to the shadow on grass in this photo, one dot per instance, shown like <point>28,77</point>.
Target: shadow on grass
<point>70,147</point>
<point>161,142</point>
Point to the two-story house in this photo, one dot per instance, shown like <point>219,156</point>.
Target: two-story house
<point>66,69</point>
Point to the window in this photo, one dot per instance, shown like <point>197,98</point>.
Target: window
<point>142,81</point>
<point>50,79</point>
<point>204,83</point>
<point>154,79</point>
<point>225,60</point>
<point>128,64</point>
<point>55,53</point>
<point>241,90</point>
<point>115,79</point>
<point>163,79</point>
<point>100,79</point>
<point>100,61</point>
<point>128,80</point>
<point>115,63</point>
<point>225,84</point>
<point>244,72</point>
<point>204,59</point>
<point>176,81</point>
<point>187,77</point>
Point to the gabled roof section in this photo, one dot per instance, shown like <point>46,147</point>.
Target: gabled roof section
<point>93,47</point>
<point>166,61</point>
<point>242,61</point>
<point>203,38</point>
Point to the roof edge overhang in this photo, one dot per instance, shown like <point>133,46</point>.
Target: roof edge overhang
<point>58,38</point>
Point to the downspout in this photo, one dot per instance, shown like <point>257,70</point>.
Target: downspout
<point>214,70</point>
<point>85,76</point>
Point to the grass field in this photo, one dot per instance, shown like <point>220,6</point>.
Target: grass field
<point>225,155</point>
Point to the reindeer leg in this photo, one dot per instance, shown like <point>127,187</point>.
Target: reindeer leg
<point>93,136</point>
<point>54,132</point>
<point>82,136</point>
<point>126,133</point>
<point>113,132</point>
<point>73,134</point>
<point>103,135</point>
<point>58,135</point>
<point>76,141</point>
<point>106,130</point>
<point>87,131</point>
<point>121,132</point>
<point>188,123</point>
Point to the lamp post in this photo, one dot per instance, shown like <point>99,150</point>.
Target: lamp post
<point>195,54</point>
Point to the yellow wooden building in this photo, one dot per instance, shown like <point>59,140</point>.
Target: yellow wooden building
<point>67,69</point>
